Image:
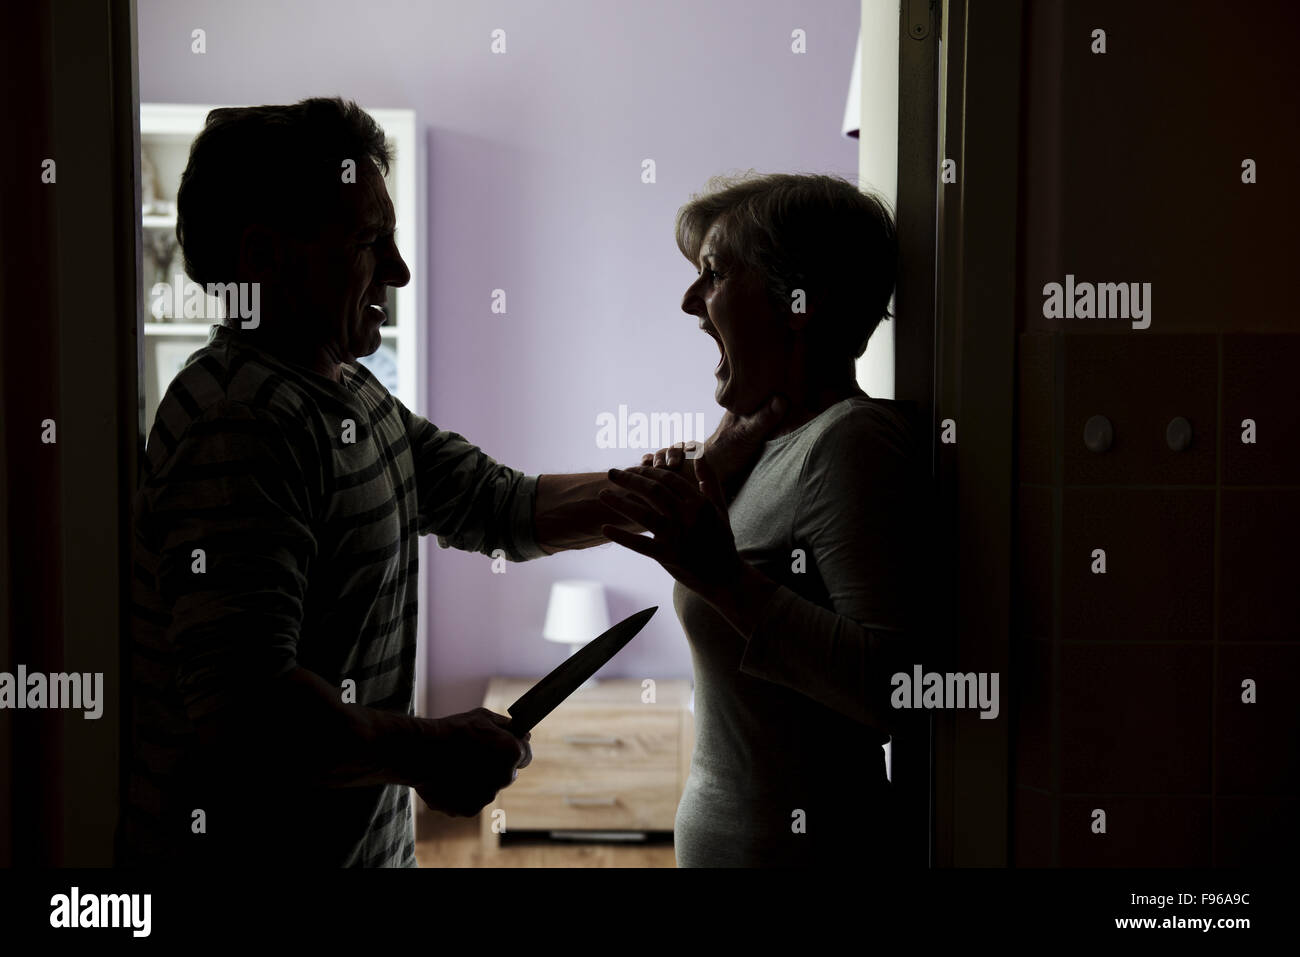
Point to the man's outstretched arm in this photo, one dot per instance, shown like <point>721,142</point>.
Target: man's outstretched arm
<point>474,503</point>
<point>568,513</point>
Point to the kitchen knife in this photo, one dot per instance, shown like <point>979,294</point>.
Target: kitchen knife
<point>545,696</point>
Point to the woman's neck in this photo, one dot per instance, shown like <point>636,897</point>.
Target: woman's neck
<point>806,405</point>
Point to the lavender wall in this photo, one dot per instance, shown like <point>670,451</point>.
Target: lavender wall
<point>534,186</point>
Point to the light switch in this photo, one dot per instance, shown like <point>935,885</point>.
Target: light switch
<point>1178,433</point>
<point>1098,434</point>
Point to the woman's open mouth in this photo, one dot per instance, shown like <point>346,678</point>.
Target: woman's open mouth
<point>722,359</point>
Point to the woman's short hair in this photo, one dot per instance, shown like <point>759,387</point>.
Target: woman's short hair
<point>275,165</point>
<point>814,232</point>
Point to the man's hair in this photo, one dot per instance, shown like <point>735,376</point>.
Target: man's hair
<point>814,232</point>
<point>279,166</point>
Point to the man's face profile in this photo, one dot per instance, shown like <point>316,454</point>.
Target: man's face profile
<point>334,284</point>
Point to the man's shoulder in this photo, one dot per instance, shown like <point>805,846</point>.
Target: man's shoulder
<point>219,382</point>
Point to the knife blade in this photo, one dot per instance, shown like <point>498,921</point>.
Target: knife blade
<point>545,696</point>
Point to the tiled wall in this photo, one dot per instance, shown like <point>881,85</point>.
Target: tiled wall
<point>1130,681</point>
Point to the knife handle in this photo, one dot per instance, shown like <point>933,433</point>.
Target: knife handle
<point>514,728</point>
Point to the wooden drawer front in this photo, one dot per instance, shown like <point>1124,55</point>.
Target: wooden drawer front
<point>597,769</point>
<point>637,801</point>
<point>586,741</point>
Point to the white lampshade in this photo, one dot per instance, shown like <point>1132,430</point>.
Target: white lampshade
<point>576,613</point>
<point>853,105</point>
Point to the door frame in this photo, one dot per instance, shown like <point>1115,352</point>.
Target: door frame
<point>960,98</point>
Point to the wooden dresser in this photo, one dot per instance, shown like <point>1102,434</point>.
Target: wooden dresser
<point>602,761</point>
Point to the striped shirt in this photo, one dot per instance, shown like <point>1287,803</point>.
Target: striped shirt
<point>275,525</point>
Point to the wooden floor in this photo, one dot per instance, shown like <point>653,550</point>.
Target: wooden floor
<point>443,841</point>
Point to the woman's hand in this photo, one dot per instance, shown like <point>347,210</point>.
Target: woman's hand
<point>692,534</point>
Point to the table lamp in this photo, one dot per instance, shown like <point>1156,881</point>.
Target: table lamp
<point>576,614</point>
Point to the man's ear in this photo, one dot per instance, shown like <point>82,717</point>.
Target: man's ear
<point>261,253</point>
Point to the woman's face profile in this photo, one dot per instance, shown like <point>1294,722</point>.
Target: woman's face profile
<point>733,307</point>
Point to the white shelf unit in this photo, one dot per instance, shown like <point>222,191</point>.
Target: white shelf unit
<point>166,132</point>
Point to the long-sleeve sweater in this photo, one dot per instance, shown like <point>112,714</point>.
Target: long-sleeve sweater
<point>788,766</point>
